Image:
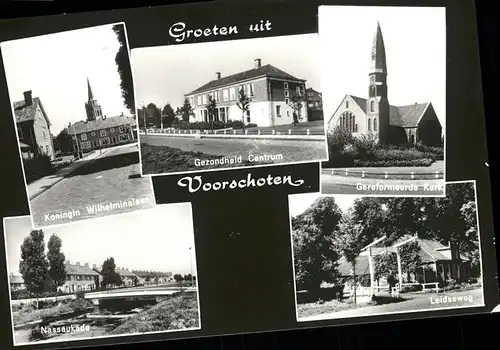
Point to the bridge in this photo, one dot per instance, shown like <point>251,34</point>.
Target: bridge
<point>134,293</point>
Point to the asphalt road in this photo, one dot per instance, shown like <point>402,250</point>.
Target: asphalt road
<point>336,184</point>
<point>415,302</point>
<point>291,151</point>
<point>113,177</point>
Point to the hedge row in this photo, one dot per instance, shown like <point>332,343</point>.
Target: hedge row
<point>216,125</point>
<point>36,168</point>
<point>389,163</point>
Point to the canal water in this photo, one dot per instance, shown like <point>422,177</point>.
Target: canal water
<point>95,322</point>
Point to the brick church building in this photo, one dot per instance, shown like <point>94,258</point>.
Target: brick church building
<point>98,131</point>
<point>416,123</point>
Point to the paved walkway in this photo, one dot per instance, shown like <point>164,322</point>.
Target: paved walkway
<point>41,185</point>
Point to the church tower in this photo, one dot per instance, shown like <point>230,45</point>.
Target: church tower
<point>92,108</point>
<point>377,105</point>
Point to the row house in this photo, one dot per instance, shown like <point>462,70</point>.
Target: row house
<point>271,91</point>
<point>162,277</point>
<point>314,104</point>
<point>145,277</point>
<point>33,128</point>
<point>101,133</point>
<point>80,278</point>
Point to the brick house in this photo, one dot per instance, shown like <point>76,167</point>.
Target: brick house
<point>314,104</point>
<point>102,133</point>
<point>80,278</point>
<point>271,92</point>
<point>33,128</point>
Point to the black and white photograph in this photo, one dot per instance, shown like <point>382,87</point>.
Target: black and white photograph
<point>384,96</point>
<point>120,275</point>
<point>74,114</point>
<point>357,256</point>
<point>229,104</point>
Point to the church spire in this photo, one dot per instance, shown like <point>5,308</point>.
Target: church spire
<point>91,95</point>
<point>378,61</point>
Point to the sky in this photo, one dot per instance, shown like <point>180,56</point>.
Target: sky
<point>156,239</point>
<point>298,203</point>
<point>415,45</point>
<point>164,74</point>
<point>55,68</point>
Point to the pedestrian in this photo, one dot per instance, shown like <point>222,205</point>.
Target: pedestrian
<point>295,118</point>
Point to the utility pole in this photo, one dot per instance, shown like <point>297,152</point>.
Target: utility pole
<point>191,266</point>
<point>76,140</point>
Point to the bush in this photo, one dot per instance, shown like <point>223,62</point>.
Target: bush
<point>36,168</point>
<point>24,294</point>
<point>234,124</point>
<point>389,163</point>
<point>412,288</point>
<point>80,294</point>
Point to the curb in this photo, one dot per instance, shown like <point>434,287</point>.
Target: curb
<point>60,179</point>
<point>386,175</point>
<point>246,137</point>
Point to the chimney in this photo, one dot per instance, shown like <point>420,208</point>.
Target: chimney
<point>217,75</point>
<point>86,264</point>
<point>94,266</point>
<point>77,263</point>
<point>28,100</point>
<point>258,63</point>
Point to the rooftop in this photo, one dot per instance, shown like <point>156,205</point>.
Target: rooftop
<point>99,124</point>
<point>259,71</point>
<point>78,269</point>
<point>25,110</point>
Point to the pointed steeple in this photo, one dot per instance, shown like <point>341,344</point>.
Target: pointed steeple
<point>378,60</point>
<point>91,95</point>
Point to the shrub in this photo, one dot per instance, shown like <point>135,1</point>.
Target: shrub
<point>234,124</point>
<point>251,125</point>
<point>389,163</point>
<point>412,288</point>
<point>80,294</point>
<point>36,168</point>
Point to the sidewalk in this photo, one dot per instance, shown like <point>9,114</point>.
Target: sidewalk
<point>41,185</point>
<point>434,171</point>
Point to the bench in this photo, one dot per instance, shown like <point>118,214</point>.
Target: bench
<point>435,284</point>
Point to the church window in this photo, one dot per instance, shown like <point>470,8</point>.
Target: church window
<point>346,104</point>
<point>369,125</point>
<point>103,132</point>
<point>347,121</point>
<point>84,137</point>
<point>372,91</point>
<point>375,124</point>
<point>372,106</point>
<point>92,133</point>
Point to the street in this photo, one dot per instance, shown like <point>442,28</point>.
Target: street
<point>292,151</point>
<point>416,302</point>
<point>337,184</point>
<point>111,178</point>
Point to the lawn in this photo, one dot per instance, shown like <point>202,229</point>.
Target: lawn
<point>179,312</point>
<point>165,159</point>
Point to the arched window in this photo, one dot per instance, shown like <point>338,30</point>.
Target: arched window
<point>369,125</point>
<point>412,139</point>
<point>374,124</point>
<point>347,121</point>
<point>372,106</point>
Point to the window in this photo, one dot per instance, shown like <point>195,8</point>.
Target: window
<point>375,124</point>
<point>191,101</point>
<point>94,143</point>
<point>372,106</point>
<point>83,137</point>
<point>287,93</point>
<point>123,137</point>
<point>346,104</point>
<point>47,150</point>
<point>285,85</point>
<point>287,100</point>
<point>278,111</point>
<point>223,113</point>
<point>248,116</point>
<point>103,132</point>
<point>347,121</point>
<point>92,133</point>
<point>44,133</point>
<point>232,94</point>
<point>225,95</point>
<point>112,129</point>
<point>298,90</point>
<point>19,132</point>
<point>369,125</point>
<point>204,99</point>
<point>372,91</point>
<point>250,89</point>
<point>199,100</point>
<point>122,129</point>
<point>204,115</point>
<point>217,96</point>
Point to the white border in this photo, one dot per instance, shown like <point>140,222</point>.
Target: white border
<point>19,145</point>
<point>310,319</point>
<point>443,180</point>
<point>108,336</point>
<point>221,169</point>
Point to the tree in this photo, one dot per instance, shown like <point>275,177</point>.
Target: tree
<point>186,110</point>
<point>296,103</point>
<point>56,258</point>
<point>109,274</point>
<point>168,115</point>
<point>243,104</point>
<point>34,266</point>
<point>122,61</point>
<point>211,111</point>
<point>178,278</point>
<point>315,259</point>
<point>63,141</point>
<point>349,241</point>
<point>135,280</point>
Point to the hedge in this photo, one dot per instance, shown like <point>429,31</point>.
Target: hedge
<point>391,163</point>
<point>36,168</point>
